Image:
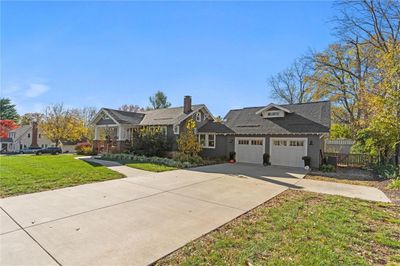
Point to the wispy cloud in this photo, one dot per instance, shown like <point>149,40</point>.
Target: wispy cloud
<point>36,89</point>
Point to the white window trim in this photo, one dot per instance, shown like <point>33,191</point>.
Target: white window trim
<point>176,129</point>
<point>206,146</point>
<point>198,116</point>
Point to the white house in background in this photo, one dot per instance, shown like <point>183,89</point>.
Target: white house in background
<point>22,138</point>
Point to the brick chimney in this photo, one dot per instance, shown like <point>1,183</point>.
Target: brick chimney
<point>34,135</point>
<point>187,104</point>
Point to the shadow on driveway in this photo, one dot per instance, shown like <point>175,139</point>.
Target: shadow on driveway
<point>279,175</point>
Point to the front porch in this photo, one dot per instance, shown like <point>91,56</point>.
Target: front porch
<point>112,138</point>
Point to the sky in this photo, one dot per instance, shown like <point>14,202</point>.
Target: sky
<point>105,54</point>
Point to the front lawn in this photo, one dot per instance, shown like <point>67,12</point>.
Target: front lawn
<point>31,173</point>
<point>151,167</point>
<point>301,228</point>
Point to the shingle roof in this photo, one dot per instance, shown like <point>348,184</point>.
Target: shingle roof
<point>165,116</point>
<point>305,118</point>
<point>6,140</point>
<point>215,127</point>
<point>125,117</point>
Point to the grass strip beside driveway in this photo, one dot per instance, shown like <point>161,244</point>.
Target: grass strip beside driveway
<point>151,167</point>
<point>301,228</point>
<point>31,173</point>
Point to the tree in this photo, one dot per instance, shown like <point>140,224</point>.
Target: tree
<point>158,101</point>
<point>291,85</point>
<point>149,140</point>
<point>340,131</point>
<point>7,110</point>
<point>6,126</point>
<point>188,142</point>
<point>131,108</point>
<point>87,114</point>
<point>60,124</point>
<point>28,118</point>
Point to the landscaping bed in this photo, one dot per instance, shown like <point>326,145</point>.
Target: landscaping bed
<point>151,163</point>
<point>301,228</point>
<point>28,174</point>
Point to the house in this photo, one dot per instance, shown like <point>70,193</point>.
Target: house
<point>285,132</point>
<point>118,126</point>
<point>28,136</point>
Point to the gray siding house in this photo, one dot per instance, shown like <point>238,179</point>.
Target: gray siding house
<point>285,132</point>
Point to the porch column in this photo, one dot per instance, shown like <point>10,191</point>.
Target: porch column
<point>96,133</point>
<point>119,132</point>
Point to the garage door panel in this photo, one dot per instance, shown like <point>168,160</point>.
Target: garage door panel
<point>249,150</point>
<point>288,151</point>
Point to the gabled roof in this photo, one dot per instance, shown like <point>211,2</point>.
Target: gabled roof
<point>273,106</point>
<point>168,116</point>
<point>302,118</point>
<point>215,127</point>
<point>165,116</point>
<point>124,117</point>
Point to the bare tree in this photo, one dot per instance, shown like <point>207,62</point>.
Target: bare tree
<point>292,85</point>
<point>131,108</point>
<point>369,21</point>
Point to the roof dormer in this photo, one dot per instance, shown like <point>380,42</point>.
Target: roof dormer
<point>273,111</point>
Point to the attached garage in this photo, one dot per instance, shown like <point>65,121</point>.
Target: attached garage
<point>288,151</point>
<point>249,150</point>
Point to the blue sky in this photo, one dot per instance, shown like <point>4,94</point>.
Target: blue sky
<point>112,53</point>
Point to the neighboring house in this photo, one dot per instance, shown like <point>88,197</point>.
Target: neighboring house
<point>6,144</point>
<point>285,132</point>
<point>26,136</point>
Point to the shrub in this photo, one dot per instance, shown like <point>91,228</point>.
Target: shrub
<point>182,157</point>
<point>188,142</point>
<point>307,160</point>
<point>388,171</point>
<point>153,159</point>
<point>327,168</point>
<point>149,141</point>
<point>84,148</point>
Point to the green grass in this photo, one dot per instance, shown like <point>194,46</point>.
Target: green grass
<point>394,184</point>
<point>301,228</point>
<point>151,167</point>
<point>28,174</point>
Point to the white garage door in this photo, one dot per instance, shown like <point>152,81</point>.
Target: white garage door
<point>288,151</point>
<point>249,150</point>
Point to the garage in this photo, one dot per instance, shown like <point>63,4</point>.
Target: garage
<point>249,150</point>
<point>288,151</point>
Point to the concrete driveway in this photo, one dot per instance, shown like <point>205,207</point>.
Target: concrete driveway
<point>134,220</point>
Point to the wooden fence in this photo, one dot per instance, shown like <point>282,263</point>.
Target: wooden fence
<point>353,160</point>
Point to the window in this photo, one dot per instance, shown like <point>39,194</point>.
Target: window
<point>256,142</point>
<point>29,135</point>
<point>40,136</point>
<point>274,114</point>
<point>243,142</point>
<point>280,143</point>
<point>176,129</point>
<point>211,141</point>
<point>202,139</point>
<point>207,140</point>
<point>296,143</point>
<point>198,117</point>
